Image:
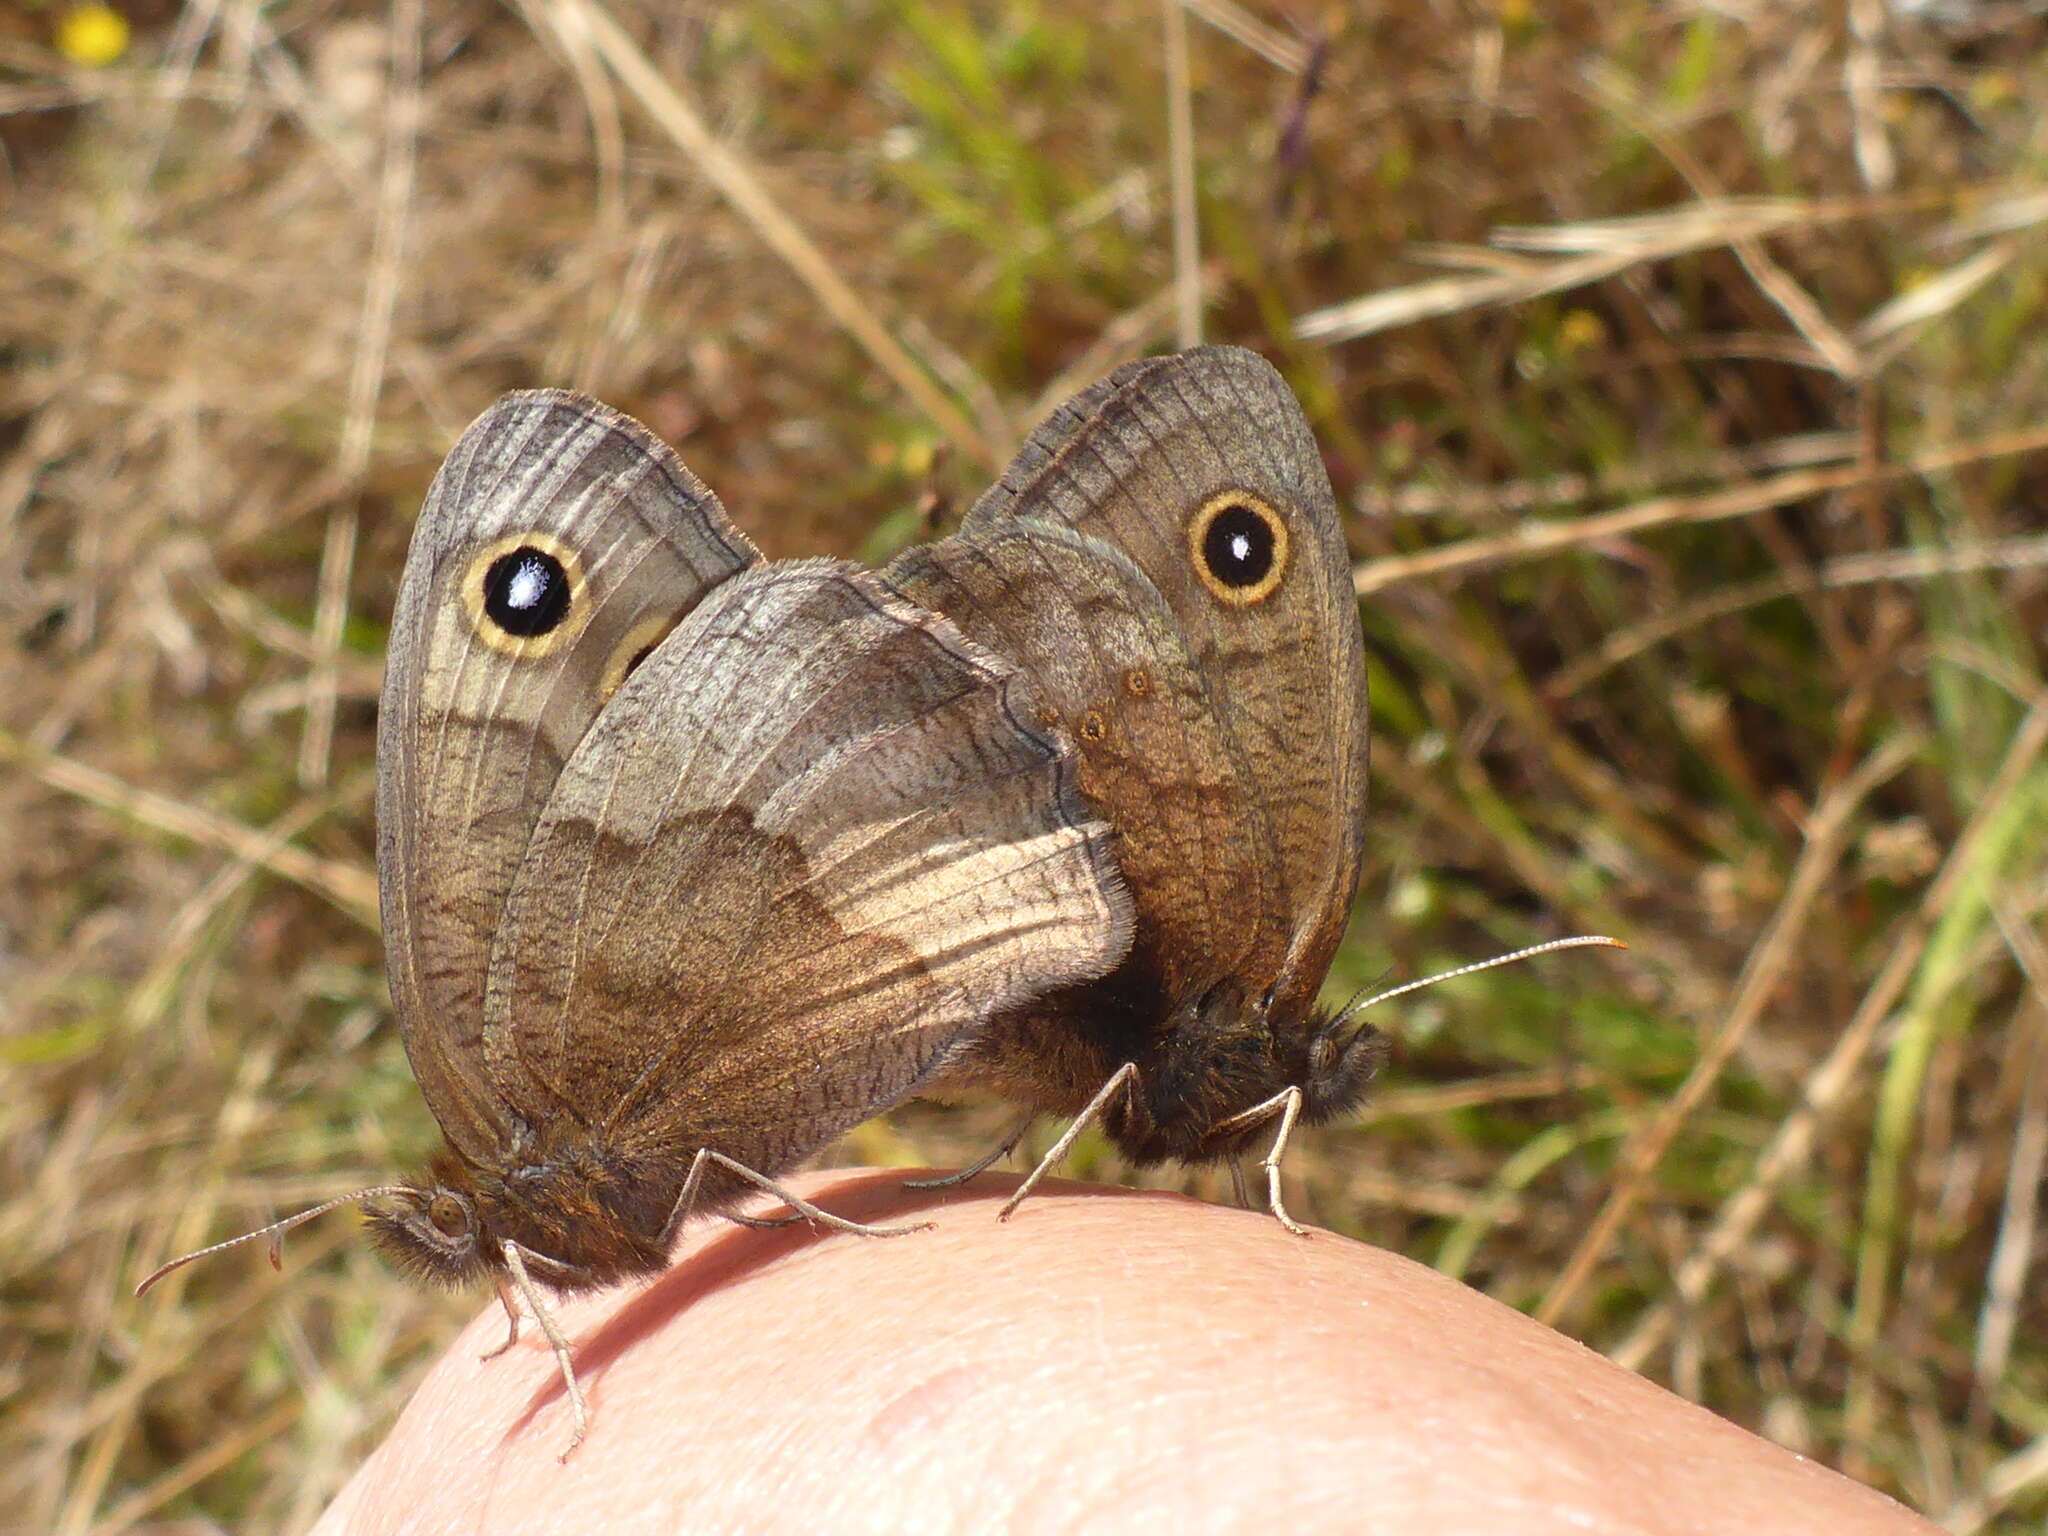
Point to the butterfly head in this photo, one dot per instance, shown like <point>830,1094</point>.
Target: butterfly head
<point>436,1230</point>
<point>579,1221</point>
<point>1223,1057</point>
<point>1338,1061</point>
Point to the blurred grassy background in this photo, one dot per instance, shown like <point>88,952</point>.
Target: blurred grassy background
<point>1680,366</point>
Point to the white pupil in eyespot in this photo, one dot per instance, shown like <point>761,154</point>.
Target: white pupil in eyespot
<point>528,585</point>
<point>1240,548</point>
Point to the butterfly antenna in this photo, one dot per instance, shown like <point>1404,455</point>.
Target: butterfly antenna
<point>275,1232</point>
<point>1584,941</point>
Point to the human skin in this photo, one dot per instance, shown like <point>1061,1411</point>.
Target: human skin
<point>1105,1361</point>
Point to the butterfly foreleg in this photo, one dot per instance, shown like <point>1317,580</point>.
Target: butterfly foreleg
<point>1123,1080</point>
<point>692,1183</point>
<point>515,1263</point>
<point>800,1208</point>
<point>980,1165</point>
<point>763,1223</point>
<point>1287,1105</point>
<point>1237,1186</point>
<point>507,1300</point>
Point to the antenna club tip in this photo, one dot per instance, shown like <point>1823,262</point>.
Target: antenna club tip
<point>150,1279</point>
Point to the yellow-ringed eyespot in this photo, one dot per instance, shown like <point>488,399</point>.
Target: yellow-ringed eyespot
<point>525,594</point>
<point>1239,546</point>
<point>639,643</point>
<point>1092,727</point>
<point>1137,682</point>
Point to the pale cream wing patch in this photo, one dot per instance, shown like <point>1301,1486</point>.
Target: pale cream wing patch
<point>820,840</point>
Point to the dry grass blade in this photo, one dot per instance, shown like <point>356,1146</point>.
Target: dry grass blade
<point>1861,73</point>
<point>2012,1253</point>
<point>1493,502</point>
<point>1830,346</point>
<point>607,131</point>
<point>1588,252</point>
<point>1827,1085</point>
<point>1849,571</point>
<point>337,569</point>
<point>1505,1088</point>
<point>1718,220</point>
<point>1999,216</point>
<point>735,180</point>
<point>1598,250</point>
<point>2024,1471</point>
<point>366,381</point>
<point>1532,540</point>
<point>1834,349</point>
<point>1827,835</point>
<point>1937,295</point>
<point>1180,141</point>
<point>1234,21</point>
<point>1428,300</point>
<point>349,887</point>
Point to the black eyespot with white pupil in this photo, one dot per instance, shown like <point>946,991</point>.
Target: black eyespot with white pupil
<point>526,592</point>
<point>1238,546</point>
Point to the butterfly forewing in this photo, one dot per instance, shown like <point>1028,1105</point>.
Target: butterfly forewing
<point>560,542</point>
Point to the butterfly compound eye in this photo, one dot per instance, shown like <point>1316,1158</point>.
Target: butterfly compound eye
<point>448,1215</point>
<point>524,594</point>
<point>1239,546</point>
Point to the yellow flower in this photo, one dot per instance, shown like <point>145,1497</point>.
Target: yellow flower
<point>92,35</point>
<point>1579,330</point>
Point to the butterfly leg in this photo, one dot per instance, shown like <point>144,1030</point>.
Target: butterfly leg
<point>803,1208</point>
<point>680,1211</point>
<point>1287,1105</point>
<point>1123,1080</point>
<point>510,1304</point>
<point>578,1412</point>
<point>1244,1196</point>
<point>980,1165</point>
<point>763,1223</point>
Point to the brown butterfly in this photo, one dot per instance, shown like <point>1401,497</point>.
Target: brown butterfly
<point>689,862</point>
<point>1164,559</point>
